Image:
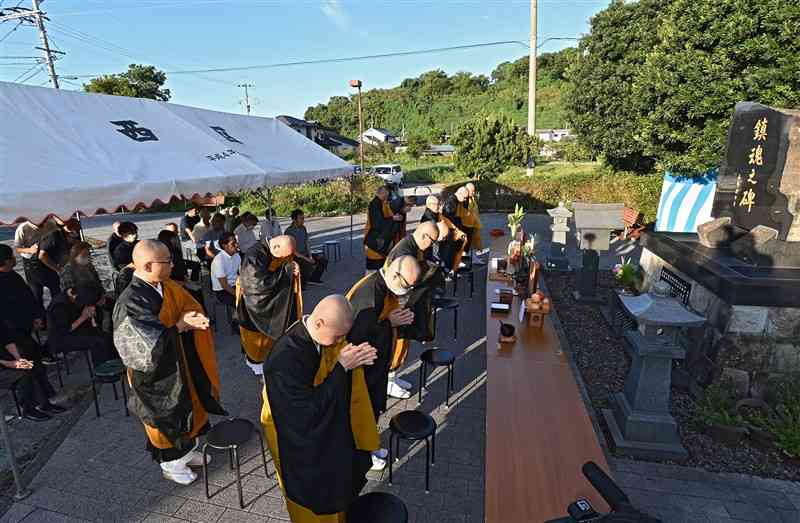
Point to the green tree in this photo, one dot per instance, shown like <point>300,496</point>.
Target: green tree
<point>139,81</point>
<point>416,146</point>
<point>600,100</point>
<point>433,104</point>
<point>712,54</point>
<point>488,145</point>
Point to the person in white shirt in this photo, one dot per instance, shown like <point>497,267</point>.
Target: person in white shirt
<point>245,233</point>
<point>225,269</point>
<point>25,244</point>
<point>270,227</point>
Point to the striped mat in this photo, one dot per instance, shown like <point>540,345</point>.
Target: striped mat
<point>686,202</point>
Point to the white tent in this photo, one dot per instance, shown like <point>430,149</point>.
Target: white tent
<point>62,151</point>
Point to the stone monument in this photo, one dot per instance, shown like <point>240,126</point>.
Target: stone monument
<point>594,223</point>
<point>558,260</point>
<point>743,267</point>
<point>639,419</point>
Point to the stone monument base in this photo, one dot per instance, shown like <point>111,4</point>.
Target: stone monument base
<point>754,311</point>
<point>672,450</point>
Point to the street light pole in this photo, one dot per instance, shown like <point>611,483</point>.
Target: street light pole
<point>357,84</point>
<point>532,81</point>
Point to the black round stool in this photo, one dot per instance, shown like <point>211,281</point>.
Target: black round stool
<point>413,425</point>
<point>230,435</point>
<point>377,507</point>
<point>449,304</point>
<point>436,358</point>
<point>461,272</point>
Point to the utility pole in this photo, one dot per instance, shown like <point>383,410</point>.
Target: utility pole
<point>532,82</point>
<point>48,54</point>
<point>246,86</point>
<point>357,84</point>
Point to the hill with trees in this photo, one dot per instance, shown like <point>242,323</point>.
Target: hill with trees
<point>435,104</point>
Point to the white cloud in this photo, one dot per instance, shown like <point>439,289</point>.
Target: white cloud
<point>333,9</point>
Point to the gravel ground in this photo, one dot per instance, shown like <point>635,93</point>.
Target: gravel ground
<point>603,364</point>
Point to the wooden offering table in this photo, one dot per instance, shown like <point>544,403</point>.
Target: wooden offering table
<point>538,433</point>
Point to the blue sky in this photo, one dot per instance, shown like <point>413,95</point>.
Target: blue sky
<point>104,36</point>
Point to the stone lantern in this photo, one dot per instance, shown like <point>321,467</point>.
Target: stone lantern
<point>558,247</point>
<point>594,223</point>
<point>639,418</point>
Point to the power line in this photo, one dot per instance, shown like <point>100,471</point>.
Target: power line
<point>11,31</point>
<point>275,3</point>
<point>343,59</point>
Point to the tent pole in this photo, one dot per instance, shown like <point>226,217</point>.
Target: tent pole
<point>351,215</point>
<point>80,224</point>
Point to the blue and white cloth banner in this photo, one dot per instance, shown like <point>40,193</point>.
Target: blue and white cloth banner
<point>686,202</point>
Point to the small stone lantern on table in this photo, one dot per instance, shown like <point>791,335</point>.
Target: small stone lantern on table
<point>594,223</point>
<point>557,261</point>
<point>639,418</point>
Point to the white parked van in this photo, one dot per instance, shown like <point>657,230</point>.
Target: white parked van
<point>390,173</point>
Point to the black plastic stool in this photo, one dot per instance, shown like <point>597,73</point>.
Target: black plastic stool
<point>230,435</point>
<point>377,507</point>
<point>413,425</point>
<point>458,275</point>
<point>332,250</point>
<point>436,358</point>
<point>113,372</point>
<point>450,304</point>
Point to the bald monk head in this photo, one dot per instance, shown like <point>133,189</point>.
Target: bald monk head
<point>434,203</point>
<point>282,246</point>
<point>402,274</point>
<point>331,320</point>
<point>444,230</point>
<point>425,235</point>
<point>462,194</point>
<point>152,261</point>
<point>470,189</point>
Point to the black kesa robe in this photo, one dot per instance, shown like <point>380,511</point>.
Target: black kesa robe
<point>173,376</point>
<point>420,298</point>
<point>319,415</point>
<point>372,303</point>
<point>450,249</point>
<point>269,303</point>
<point>378,233</point>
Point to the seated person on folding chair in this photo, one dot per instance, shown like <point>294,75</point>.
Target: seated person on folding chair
<point>312,266</point>
<point>73,325</point>
<point>19,314</point>
<point>123,253</point>
<point>80,272</point>
<point>114,240</point>
<point>245,232</point>
<point>33,389</point>
<point>225,270</point>
<point>210,242</point>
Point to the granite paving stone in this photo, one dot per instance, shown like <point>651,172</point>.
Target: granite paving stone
<point>101,471</point>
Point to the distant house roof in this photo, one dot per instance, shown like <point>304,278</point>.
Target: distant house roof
<point>292,121</point>
<point>441,149</point>
<point>342,140</point>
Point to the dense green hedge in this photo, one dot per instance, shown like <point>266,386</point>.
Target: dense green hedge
<point>316,199</point>
<point>586,183</point>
